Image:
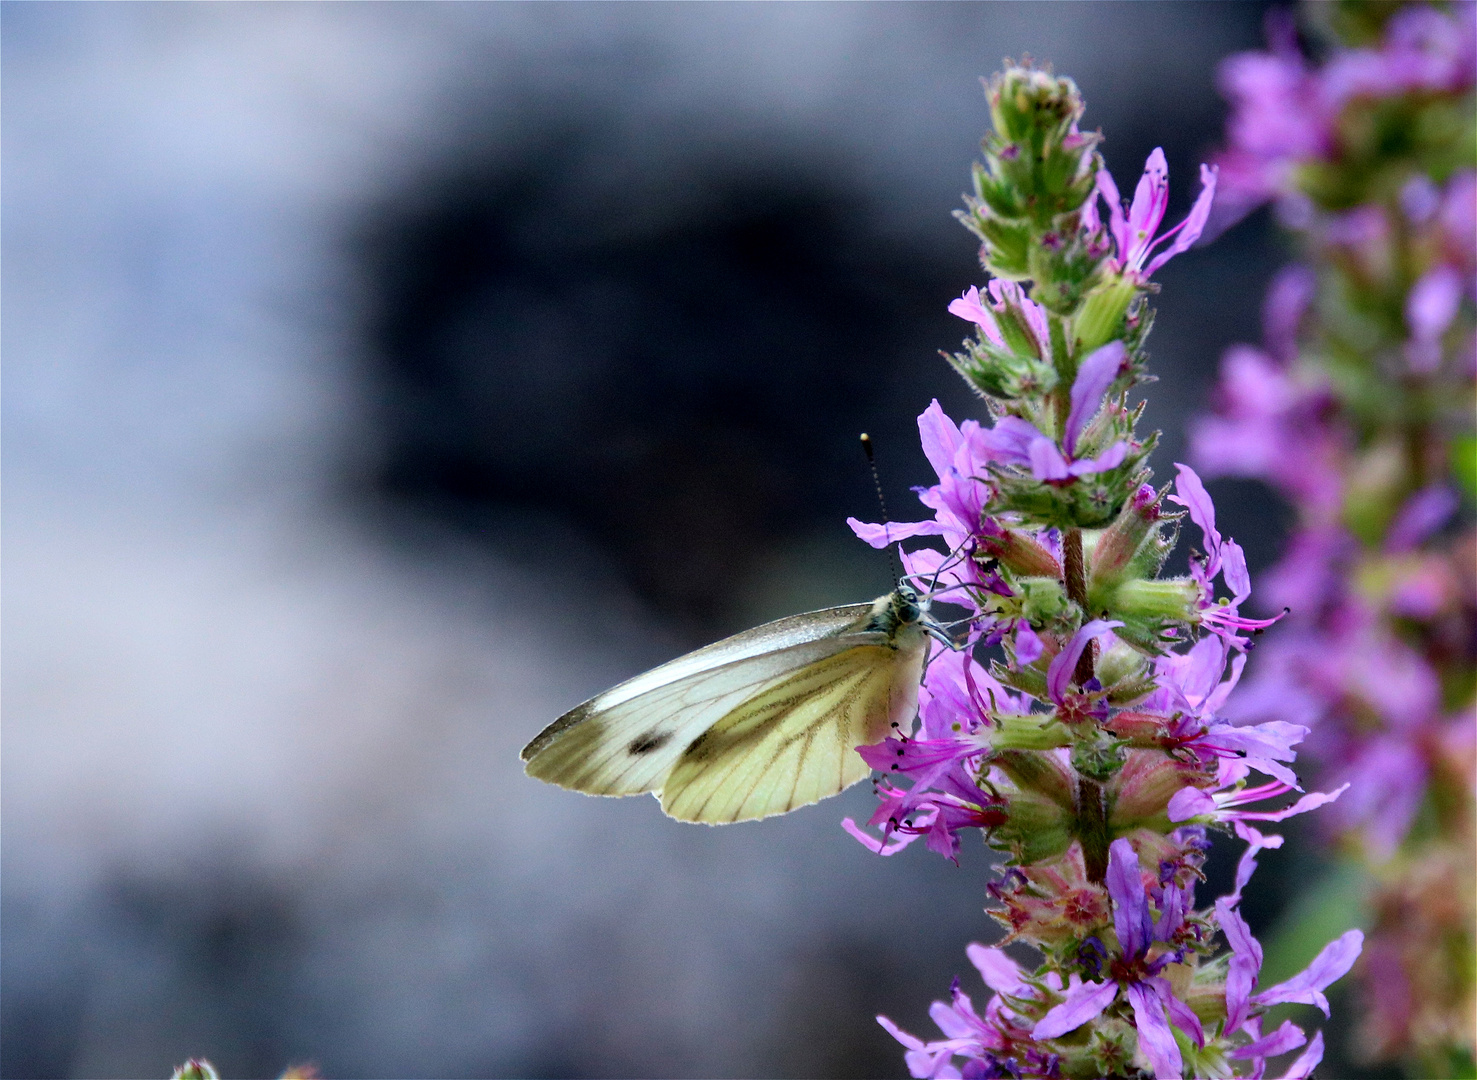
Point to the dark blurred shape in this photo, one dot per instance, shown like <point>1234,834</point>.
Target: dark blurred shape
<point>678,368</point>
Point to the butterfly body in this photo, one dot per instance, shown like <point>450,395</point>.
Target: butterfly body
<point>755,725</point>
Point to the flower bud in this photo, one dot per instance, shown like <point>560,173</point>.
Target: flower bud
<point>1022,554</point>
<point>1028,731</point>
<point>1139,795</point>
<point>1121,669</point>
<point>1101,315</point>
<point>1097,757</point>
<point>1145,602</point>
<point>1042,599</point>
<point>997,373</point>
<point>1114,554</point>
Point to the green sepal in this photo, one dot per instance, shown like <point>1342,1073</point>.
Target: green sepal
<point>1028,731</point>
<point>1101,318</point>
<point>996,373</point>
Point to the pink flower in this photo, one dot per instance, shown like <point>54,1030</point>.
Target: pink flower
<point>1134,234</point>
<point>1155,1007</point>
<point>1006,295</point>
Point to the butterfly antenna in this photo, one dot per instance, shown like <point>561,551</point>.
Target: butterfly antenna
<point>893,551</point>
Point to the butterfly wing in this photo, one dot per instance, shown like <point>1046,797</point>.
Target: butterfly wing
<point>794,741</point>
<point>626,740</point>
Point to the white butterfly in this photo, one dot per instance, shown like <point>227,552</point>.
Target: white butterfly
<point>755,725</point>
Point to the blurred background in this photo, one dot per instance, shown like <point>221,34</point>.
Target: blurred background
<point>383,380</point>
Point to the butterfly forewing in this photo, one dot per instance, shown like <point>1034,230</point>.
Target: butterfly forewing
<point>794,743</point>
<point>625,741</point>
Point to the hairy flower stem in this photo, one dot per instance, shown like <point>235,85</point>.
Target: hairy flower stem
<point>1074,577</point>
<point>1092,828</point>
<point>1092,809</point>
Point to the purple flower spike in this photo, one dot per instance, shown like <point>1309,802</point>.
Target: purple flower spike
<point>1094,376</point>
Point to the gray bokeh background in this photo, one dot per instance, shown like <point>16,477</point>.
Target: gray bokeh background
<point>382,380</point>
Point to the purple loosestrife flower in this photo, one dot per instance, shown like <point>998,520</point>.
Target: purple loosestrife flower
<point>1306,987</point>
<point>1181,714</point>
<point>1007,296</point>
<point>1135,973</point>
<point>1224,558</point>
<point>942,761</point>
<point>1014,441</point>
<point>1133,233</point>
<point>995,1044</point>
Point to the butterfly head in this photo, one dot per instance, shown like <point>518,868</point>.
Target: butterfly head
<point>901,610</point>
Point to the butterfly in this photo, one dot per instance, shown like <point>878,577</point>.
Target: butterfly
<point>754,725</point>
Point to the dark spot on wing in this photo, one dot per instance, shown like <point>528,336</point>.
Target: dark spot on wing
<point>652,740</point>
<point>701,748</point>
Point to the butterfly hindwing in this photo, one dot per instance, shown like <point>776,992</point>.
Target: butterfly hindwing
<point>795,742</point>
<point>626,740</point>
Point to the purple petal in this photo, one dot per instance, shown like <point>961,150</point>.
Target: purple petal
<point>875,844</point>
<point>1150,200</point>
<point>880,536</point>
<point>970,308</point>
<point>1180,1014</point>
<point>1028,647</point>
<point>1110,458</point>
<point>1189,230</point>
<point>1189,802</point>
<point>1307,1061</point>
<point>1191,494</point>
<point>1311,801</point>
<point>1000,972</point>
<point>1094,376</point>
<point>949,1021</point>
<point>1234,572</point>
<point>1287,302</point>
<point>1217,697</point>
<point>912,1042</point>
<point>1327,968</point>
<point>1423,513</point>
<point>1246,961</point>
<point>1155,1038</point>
<point>1432,303</point>
<point>1288,1037</point>
<point>1246,866</point>
<point>1084,1003</point>
<point>1059,674</point>
<point>1116,225</point>
<point>1010,440</point>
<point>1047,462</point>
<point>1130,905</point>
<point>940,437</point>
